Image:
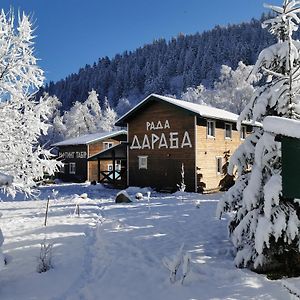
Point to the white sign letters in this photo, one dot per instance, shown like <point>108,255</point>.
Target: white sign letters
<point>73,154</point>
<point>158,125</point>
<point>171,140</point>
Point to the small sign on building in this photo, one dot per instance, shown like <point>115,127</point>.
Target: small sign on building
<point>290,149</point>
<point>288,133</point>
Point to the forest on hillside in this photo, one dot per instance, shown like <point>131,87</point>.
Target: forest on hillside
<point>164,67</point>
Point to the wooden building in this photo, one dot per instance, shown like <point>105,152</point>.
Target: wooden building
<point>164,133</point>
<point>75,153</point>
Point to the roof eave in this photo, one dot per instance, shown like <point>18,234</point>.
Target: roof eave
<point>108,136</point>
<point>92,141</point>
<point>124,119</point>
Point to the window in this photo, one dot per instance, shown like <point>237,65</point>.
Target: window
<point>219,165</point>
<point>143,162</point>
<point>117,166</point>
<point>72,168</point>
<point>243,132</point>
<point>211,128</point>
<point>228,131</point>
<point>107,145</point>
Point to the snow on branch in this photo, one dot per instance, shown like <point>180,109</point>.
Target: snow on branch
<point>264,226</point>
<point>23,162</point>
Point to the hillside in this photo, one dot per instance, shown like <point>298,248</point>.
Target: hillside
<point>164,67</point>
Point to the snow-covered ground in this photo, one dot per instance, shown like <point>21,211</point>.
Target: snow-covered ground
<point>115,251</point>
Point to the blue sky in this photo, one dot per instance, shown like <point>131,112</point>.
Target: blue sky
<point>72,33</point>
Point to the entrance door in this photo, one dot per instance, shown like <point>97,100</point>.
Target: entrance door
<point>168,174</point>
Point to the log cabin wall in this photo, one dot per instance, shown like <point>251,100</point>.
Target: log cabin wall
<point>75,155</point>
<point>209,149</point>
<point>164,157</point>
<point>94,148</point>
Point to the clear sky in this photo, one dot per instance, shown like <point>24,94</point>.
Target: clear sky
<point>72,33</point>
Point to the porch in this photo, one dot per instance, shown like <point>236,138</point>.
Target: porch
<point>116,161</point>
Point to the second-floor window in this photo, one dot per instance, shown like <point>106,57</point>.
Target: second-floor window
<point>107,145</point>
<point>211,129</point>
<point>228,131</point>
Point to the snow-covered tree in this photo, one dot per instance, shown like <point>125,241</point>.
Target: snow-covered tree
<point>22,118</point>
<point>83,118</point>
<point>166,67</point>
<point>265,226</point>
<point>87,117</point>
<point>109,117</point>
<point>234,88</point>
<point>123,106</point>
<point>59,130</point>
<point>232,91</point>
<point>78,120</point>
<point>92,103</point>
<point>52,119</point>
<point>22,160</point>
<point>195,95</point>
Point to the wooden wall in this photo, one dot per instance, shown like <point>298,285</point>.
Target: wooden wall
<point>81,163</point>
<point>200,161</point>
<point>93,149</point>
<point>85,170</point>
<point>208,149</point>
<point>164,165</point>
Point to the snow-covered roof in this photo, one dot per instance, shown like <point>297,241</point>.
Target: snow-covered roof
<point>90,138</point>
<point>282,126</point>
<point>120,152</point>
<point>200,110</point>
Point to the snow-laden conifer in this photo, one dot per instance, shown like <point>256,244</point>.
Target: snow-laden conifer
<point>232,91</point>
<point>23,162</point>
<point>53,120</point>
<point>109,117</point>
<point>83,118</point>
<point>265,226</point>
<point>78,120</point>
<point>87,117</point>
<point>23,120</point>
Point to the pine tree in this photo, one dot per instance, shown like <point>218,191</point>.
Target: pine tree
<point>78,120</point>
<point>23,120</point>
<point>92,103</point>
<point>59,128</point>
<point>195,95</point>
<point>265,226</point>
<point>109,117</point>
<point>234,88</point>
<point>94,112</point>
<point>52,117</point>
<point>232,91</point>
<point>123,106</point>
<point>164,67</point>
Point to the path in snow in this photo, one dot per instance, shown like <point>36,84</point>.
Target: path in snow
<point>22,226</point>
<point>124,260</point>
<point>115,252</point>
